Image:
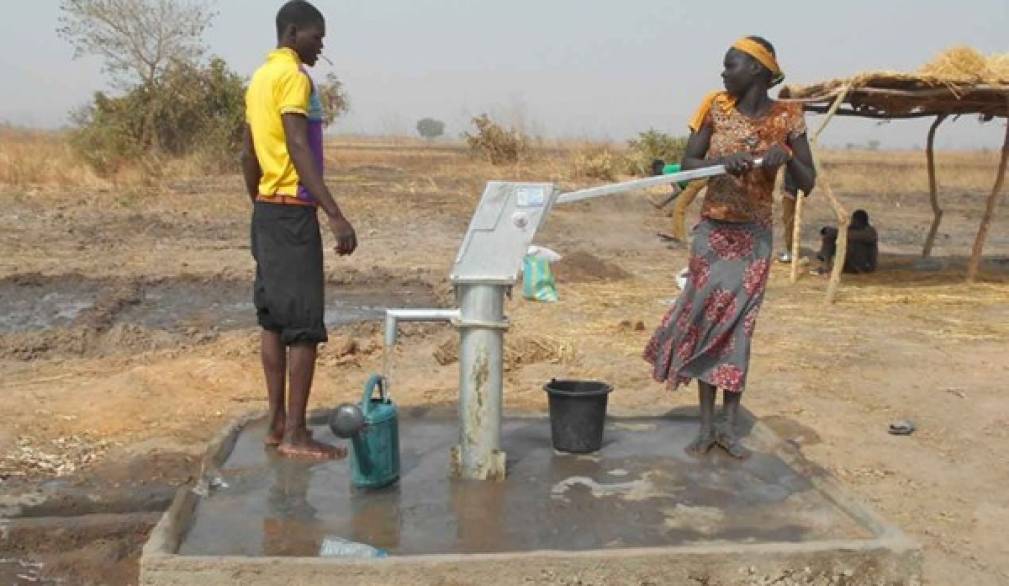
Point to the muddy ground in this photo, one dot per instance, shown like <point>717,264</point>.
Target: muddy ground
<point>127,340</point>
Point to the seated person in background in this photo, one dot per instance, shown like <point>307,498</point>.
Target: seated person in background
<point>863,246</point>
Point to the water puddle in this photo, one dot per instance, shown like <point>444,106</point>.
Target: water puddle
<point>30,303</point>
<point>41,303</point>
<point>227,305</point>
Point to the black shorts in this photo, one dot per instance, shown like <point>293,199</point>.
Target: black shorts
<point>289,292</point>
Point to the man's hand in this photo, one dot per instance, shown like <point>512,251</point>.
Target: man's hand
<point>738,163</point>
<point>776,157</point>
<point>346,237</point>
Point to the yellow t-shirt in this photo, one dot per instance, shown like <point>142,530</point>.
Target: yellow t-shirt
<point>278,87</point>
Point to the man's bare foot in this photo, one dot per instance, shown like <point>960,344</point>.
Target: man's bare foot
<point>702,444</point>
<point>732,446</point>
<point>275,433</point>
<point>309,449</point>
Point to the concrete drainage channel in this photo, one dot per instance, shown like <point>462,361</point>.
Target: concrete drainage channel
<point>637,512</point>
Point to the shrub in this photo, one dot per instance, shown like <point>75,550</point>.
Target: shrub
<point>497,144</point>
<point>652,145</point>
<point>430,128</point>
<point>598,163</point>
<point>198,110</point>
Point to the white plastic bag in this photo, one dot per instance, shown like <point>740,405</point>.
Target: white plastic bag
<point>338,547</point>
<point>544,253</point>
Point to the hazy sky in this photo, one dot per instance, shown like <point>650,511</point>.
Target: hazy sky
<point>564,68</point>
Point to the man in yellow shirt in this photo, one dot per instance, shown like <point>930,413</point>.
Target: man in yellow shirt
<point>282,167</point>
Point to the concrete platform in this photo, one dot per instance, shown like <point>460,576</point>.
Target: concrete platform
<point>637,512</point>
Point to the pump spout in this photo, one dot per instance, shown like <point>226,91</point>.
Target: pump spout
<point>394,316</point>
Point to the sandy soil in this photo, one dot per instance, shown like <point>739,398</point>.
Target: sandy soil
<point>106,412</point>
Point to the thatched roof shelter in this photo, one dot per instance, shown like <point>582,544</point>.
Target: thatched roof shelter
<point>958,82</point>
<point>895,96</point>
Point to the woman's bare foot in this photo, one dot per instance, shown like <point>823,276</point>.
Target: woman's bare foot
<point>701,445</point>
<point>732,446</point>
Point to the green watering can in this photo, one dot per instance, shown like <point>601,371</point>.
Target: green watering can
<point>374,459</point>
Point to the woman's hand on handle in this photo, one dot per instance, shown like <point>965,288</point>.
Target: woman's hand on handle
<point>738,163</point>
<point>776,156</point>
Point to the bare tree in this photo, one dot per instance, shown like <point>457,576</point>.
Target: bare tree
<point>333,95</point>
<point>136,38</point>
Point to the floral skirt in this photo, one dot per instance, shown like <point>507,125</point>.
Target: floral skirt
<point>706,335</point>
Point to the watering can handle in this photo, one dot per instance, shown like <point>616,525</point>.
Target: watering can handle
<point>376,380</point>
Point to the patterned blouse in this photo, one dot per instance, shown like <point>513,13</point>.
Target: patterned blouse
<point>747,198</point>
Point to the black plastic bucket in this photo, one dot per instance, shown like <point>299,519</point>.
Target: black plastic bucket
<point>577,414</point>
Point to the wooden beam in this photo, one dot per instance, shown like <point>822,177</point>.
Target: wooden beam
<point>933,93</point>
<point>932,188</point>
<point>827,96</point>
<point>982,233</point>
<point>821,109</point>
<point>793,275</point>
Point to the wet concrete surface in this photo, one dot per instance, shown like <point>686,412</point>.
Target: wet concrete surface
<point>40,303</point>
<point>640,490</point>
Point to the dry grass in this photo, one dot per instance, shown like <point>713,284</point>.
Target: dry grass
<point>43,161</point>
<point>598,162</point>
<point>519,351</point>
<point>965,65</point>
<point>33,158</point>
<point>887,173</point>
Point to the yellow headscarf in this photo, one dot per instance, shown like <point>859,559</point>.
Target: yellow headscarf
<point>724,99</point>
<point>762,55</point>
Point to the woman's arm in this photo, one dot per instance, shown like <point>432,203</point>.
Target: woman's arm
<point>800,166</point>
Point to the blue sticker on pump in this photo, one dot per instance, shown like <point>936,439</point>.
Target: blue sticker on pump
<point>530,197</point>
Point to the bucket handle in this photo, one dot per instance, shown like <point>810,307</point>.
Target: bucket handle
<point>376,380</point>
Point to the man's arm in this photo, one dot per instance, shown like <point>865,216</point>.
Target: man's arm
<point>250,164</point>
<point>296,133</point>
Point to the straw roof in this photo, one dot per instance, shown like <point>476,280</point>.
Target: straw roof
<point>958,81</point>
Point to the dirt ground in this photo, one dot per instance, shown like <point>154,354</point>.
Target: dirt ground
<point>127,341</point>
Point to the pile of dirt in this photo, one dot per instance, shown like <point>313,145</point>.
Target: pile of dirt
<point>87,341</point>
<point>62,456</point>
<point>519,351</point>
<point>581,267</point>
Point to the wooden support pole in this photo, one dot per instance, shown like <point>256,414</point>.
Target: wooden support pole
<point>814,141</point>
<point>842,230</point>
<point>933,193</point>
<point>982,233</point>
<point>796,236</point>
<point>842,214</point>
